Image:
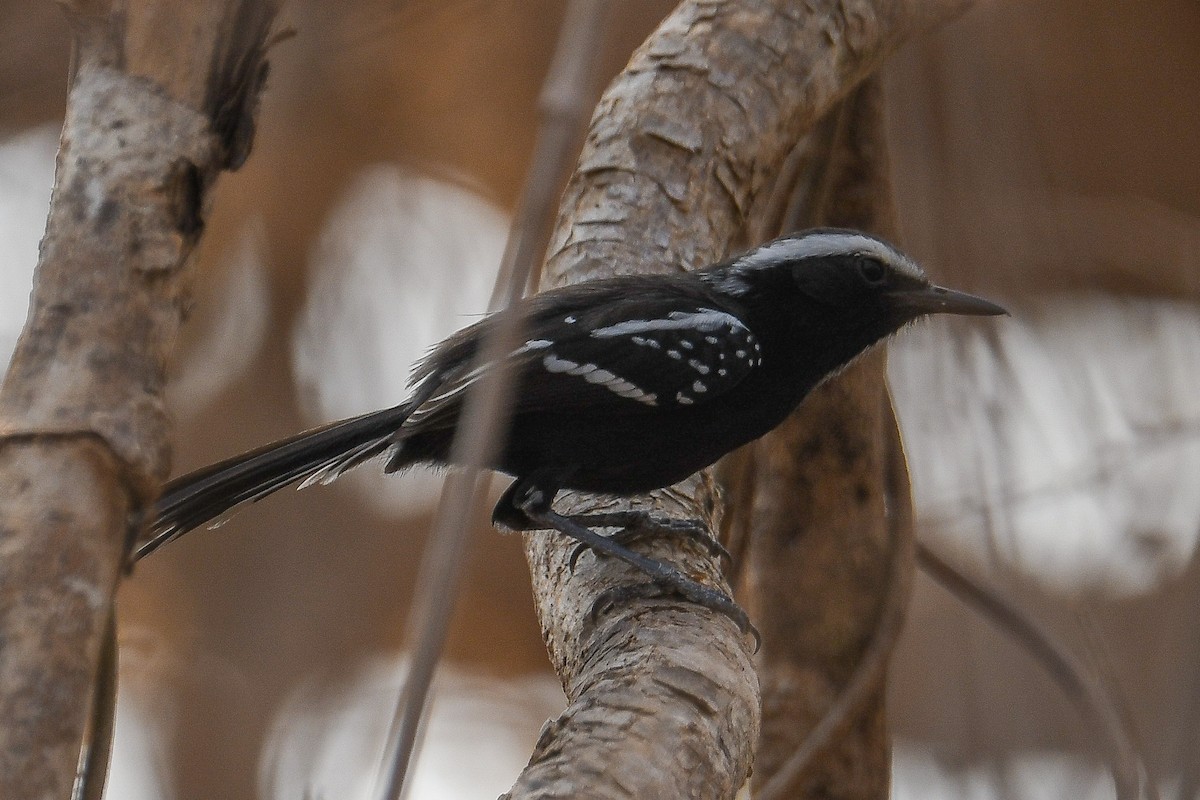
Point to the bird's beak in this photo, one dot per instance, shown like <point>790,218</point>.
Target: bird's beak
<point>939,300</point>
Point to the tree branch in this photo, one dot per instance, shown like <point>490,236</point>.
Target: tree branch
<point>830,521</point>
<point>151,121</point>
<point>1080,682</point>
<point>664,698</point>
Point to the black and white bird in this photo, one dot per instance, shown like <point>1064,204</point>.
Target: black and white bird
<point>623,385</point>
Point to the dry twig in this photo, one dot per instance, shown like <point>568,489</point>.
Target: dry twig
<point>570,80</point>
<point>1083,686</point>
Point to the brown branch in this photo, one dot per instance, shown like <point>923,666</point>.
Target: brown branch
<point>830,525</point>
<point>664,698</point>
<point>849,718</point>
<point>151,121</point>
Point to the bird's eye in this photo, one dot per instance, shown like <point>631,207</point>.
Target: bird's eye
<point>872,271</point>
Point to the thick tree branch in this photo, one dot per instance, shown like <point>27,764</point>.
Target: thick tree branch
<point>151,121</point>
<point>681,148</point>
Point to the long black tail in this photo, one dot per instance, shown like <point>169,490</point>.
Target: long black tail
<point>318,455</point>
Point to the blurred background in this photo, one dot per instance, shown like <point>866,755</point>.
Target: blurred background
<point>1046,153</point>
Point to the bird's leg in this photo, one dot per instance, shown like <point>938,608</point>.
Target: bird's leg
<point>532,503</point>
<point>662,575</point>
<point>635,524</point>
<point>509,513</point>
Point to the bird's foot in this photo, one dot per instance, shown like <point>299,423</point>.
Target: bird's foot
<point>664,578</point>
<point>637,525</point>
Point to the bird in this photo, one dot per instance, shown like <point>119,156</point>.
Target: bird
<point>623,385</point>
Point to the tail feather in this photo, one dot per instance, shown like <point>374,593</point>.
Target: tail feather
<point>334,468</point>
<point>318,455</point>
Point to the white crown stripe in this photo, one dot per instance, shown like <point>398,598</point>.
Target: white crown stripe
<point>820,245</point>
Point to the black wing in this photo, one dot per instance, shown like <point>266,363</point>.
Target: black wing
<point>616,349</point>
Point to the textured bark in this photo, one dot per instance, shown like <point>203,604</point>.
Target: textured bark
<point>151,120</point>
<point>685,143</point>
<point>828,519</point>
<point>830,571</point>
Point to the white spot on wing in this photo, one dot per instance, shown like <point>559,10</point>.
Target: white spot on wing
<point>553,363</point>
<point>601,377</point>
<point>532,344</point>
<point>705,319</point>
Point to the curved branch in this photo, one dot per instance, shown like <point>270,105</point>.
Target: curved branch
<point>860,697</point>
<point>664,698</point>
<point>830,521</point>
<point>1080,684</point>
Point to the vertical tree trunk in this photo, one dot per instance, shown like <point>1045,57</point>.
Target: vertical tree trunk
<point>162,100</point>
<point>826,505</point>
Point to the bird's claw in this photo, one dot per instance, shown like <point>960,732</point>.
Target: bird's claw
<point>638,524</point>
<point>666,579</point>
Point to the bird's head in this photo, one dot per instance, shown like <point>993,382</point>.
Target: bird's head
<point>845,287</point>
<point>849,275</point>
